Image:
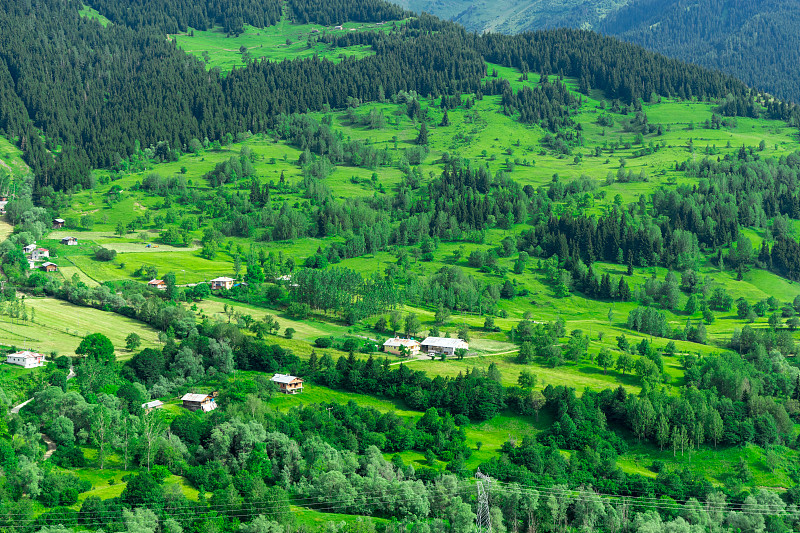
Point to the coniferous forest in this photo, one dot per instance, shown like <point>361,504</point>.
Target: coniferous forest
<point>210,198</point>
<point>96,91</point>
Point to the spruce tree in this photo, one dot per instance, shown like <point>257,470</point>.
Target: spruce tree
<point>422,138</point>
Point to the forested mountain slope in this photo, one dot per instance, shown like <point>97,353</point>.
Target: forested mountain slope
<point>613,233</point>
<point>754,40</point>
<point>96,91</point>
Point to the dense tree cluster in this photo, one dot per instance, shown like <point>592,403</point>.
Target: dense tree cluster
<point>329,12</point>
<point>178,17</point>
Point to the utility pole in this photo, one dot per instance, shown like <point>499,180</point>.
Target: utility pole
<point>483,519</point>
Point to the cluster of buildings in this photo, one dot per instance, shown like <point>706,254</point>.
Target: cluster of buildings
<point>207,402</point>
<point>221,283</point>
<point>431,345</point>
<point>35,255</point>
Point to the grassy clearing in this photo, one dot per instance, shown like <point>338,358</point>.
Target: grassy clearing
<point>275,43</point>
<point>91,13</point>
<point>314,394</point>
<point>6,229</point>
<point>717,464</point>
<point>579,376</point>
<point>59,327</point>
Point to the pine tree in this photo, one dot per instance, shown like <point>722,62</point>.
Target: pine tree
<point>624,291</point>
<point>422,138</point>
<point>445,119</point>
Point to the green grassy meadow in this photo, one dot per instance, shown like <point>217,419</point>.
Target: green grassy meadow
<point>276,43</point>
<point>59,326</point>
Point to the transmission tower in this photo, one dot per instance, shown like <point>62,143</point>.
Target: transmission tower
<point>483,519</point>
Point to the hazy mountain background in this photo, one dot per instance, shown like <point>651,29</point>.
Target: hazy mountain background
<point>755,40</point>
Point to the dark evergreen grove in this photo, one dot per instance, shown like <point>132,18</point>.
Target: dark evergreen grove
<point>97,93</point>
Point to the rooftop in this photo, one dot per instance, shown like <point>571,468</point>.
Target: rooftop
<point>191,397</point>
<point>397,341</point>
<point>443,341</point>
<point>223,278</point>
<point>27,354</point>
<point>284,378</point>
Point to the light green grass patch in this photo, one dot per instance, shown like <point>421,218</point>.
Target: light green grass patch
<point>275,43</point>
<point>91,13</point>
<point>60,326</point>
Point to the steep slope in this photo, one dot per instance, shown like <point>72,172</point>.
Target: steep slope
<point>755,41</point>
<point>514,16</point>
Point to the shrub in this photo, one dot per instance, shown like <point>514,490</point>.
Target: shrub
<point>105,254</point>
<point>323,342</point>
<point>299,310</point>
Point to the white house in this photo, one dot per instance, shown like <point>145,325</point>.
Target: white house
<point>39,254</point>
<point>222,282</point>
<point>26,359</point>
<point>396,344</point>
<point>29,248</point>
<point>443,345</point>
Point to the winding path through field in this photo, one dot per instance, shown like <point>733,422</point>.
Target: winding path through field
<point>51,447</point>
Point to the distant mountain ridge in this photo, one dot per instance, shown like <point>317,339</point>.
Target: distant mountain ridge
<point>754,40</point>
<point>515,16</point>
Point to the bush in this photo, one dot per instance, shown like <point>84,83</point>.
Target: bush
<point>299,310</point>
<point>323,342</point>
<point>68,456</point>
<point>104,254</point>
<point>350,345</point>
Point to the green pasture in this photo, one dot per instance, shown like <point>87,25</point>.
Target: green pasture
<point>718,464</point>
<point>59,327</point>
<point>275,43</point>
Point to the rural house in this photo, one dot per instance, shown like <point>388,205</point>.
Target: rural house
<point>26,359</point>
<point>199,402</point>
<point>222,283</point>
<point>157,284</point>
<point>69,241</point>
<point>396,345</point>
<point>3,204</point>
<point>40,253</point>
<point>49,267</point>
<point>29,248</point>
<point>443,345</point>
<point>288,384</point>
<point>58,223</point>
<point>149,406</point>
